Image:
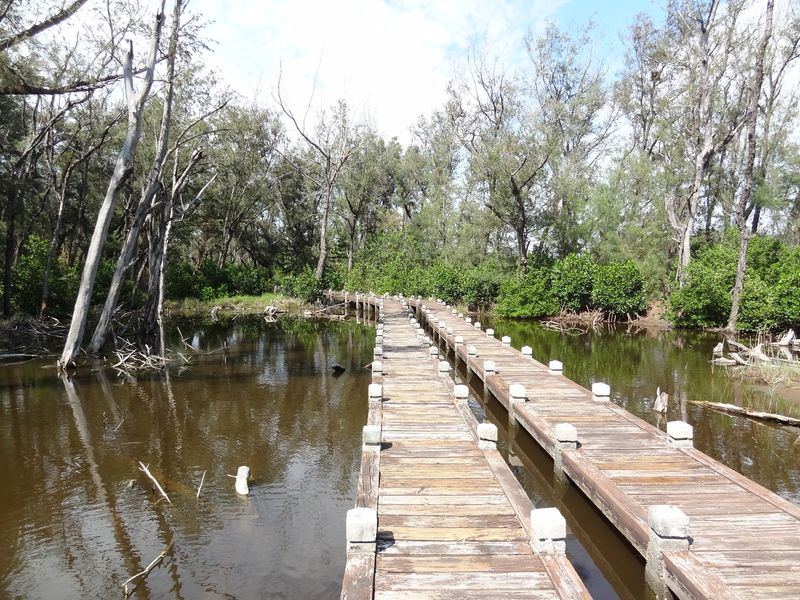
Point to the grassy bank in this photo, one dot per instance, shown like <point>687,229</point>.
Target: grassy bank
<point>191,307</point>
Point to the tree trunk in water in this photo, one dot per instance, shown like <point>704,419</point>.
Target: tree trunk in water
<point>747,184</point>
<point>122,170</point>
<point>323,236</point>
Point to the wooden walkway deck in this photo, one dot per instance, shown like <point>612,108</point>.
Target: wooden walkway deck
<point>743,541</point>
<point>452,521</point>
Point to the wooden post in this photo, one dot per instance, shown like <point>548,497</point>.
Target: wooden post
<point>601,392</point>
<point>468,320</point>
<point>566,439</point>
<point>527,351</point>
<point>548,531</point>
<point>375,391</point>
<point>680,435</point>
<point>669,532</point>
<point>477,325</point>
<point>444,366</point>
<point>488,367</point>
<point>556,367</point>
<point>377,367</point>
<point>487,436</point>
<point>461,392</point>
<point>506,340</point>
<point>242,476</point>
<point>490,332</point>
<point>377,352</point>
<point>434,351</point>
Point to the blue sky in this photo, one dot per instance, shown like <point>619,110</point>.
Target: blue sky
<point>390,59</point>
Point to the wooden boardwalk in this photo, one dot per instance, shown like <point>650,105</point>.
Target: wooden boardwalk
<point>743,541</point>
<point>452,521</point>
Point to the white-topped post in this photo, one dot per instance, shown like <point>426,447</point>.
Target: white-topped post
<point>361,529</point>
<point>490,332</point>
<point>668,532</point>
<point>377,352</point>
<point>468,320</point>
<point>516,395</point>
<point>487,436</point>
<point>601,391</point>
<point>444,366</point>
<point>434,351</point>
<point>472,351</point>
<point>371,438</point>
<point>566,439</point>
<point>377,367</point>
<point>527,351</point>
<point>375,391</point>
<point>548,531</point>
<point>488,367</point>
<point>477,325</point>
<point>680,434</point>
<point>461,391</point>
<point>506,340</point>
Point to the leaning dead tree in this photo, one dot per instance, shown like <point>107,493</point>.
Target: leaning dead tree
<point>151,187</point>
<point>122,170</point>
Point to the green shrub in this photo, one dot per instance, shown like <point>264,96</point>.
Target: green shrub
<point>757,310</point>
<point>181,281</point>
<point>619,289</point>
<point>572,279</point>
<point>480,286</point>
<point>247,280</point>
<point>787,290</point>
<point>704,300</point>
<point>529,296</point>
<point>303,285</point>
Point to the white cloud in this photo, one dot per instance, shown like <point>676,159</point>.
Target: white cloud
<point>390,60</point>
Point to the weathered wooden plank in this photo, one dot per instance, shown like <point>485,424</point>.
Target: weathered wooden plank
<point>462,581</point>
<point>458,563</point>
<point>359,573</point>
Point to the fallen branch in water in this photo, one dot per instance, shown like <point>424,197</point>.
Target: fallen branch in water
<point>753,414</point>
<point>201,484</point>
<point>144,469</point>
<point>147,570</point>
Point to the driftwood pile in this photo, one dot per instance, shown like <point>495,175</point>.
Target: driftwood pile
<point>729,353</point>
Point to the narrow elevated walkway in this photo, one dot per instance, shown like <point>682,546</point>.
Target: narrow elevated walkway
<point>739,540</point>
<point>452,521</point>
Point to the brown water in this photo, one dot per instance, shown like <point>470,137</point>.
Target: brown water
<point>73,526</point>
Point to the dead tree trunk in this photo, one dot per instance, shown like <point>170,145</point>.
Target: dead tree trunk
<point>740,208</point>
<point>122,170</point>
<point>151,188</point>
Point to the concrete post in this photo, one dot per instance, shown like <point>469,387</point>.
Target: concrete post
<point>566,439</point>
<point>444,366</point>
<point>490,332</point>
<point>669,532</point>
<point>487,436</point>
<point>527,351</point>
<point>459,339</point>
<point>600,391</point>
<point>472,351</point>
<point>461,392</point>
<point>361,529</point>
<point>556,368</point>
<point>434,351</point>
<point>516,395</point>
<point>468,320</point>
<point>506,340</point>
<point>371,438</point>
<point>548,531</point>
<point>379,339</point>
<point>377,367</point>
<point>375,391</point>
<point>680,435</point>
<point>477,325</point>
<point>488,367</point>
<point>377,352</point>
<point>460,315</point>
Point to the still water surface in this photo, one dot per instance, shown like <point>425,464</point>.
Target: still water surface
<point>72,525</point>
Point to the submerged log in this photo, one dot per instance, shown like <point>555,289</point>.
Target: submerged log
<point>242,486</point>
<point>753,414</point>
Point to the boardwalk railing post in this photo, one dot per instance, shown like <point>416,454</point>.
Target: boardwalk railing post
<point>556,367</point>
<point>548,531</point>
<point>506,340</point>
<point>488,367</point>
<point>490,332</point>
<point>468,320</point>
<point>377,367</point>
<point>371,438</point>
<point>477,325</point>
<point>566,439</point>
<point>680,435</point>
<point>377,352</point>
<point>600,391</point>
<point>669,532</point>
<point>444,366</point>
<point>375,391</point>
<point>527,351</point>
<point>487,436</point>
<point>361,529</point>
<point>461,392</point>
<point>516,395</point>
<point>434,351</point>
